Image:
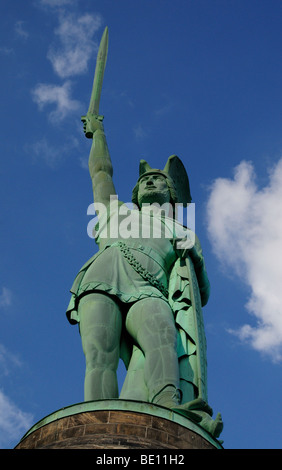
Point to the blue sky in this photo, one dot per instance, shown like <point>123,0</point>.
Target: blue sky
<point>201,79</point>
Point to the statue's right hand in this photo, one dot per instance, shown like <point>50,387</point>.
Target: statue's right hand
<point>91,123</point>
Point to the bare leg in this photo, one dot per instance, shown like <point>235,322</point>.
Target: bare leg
<point>134,386</point>
<point>100,329</point>
<point>151,323</point>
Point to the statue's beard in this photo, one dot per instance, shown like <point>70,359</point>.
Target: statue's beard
<point>153,195</point>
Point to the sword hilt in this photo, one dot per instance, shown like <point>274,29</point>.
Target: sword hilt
<point>91,123</point>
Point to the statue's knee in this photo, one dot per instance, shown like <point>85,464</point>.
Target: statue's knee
<point>101,355</point>
<point>92,356</point>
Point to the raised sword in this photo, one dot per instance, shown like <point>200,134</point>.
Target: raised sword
<point>98,80</point>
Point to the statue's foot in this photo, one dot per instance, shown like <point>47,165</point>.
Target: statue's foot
<point>201,413</point>
<point>196,405</point>
<point>213,426</point>
<point>168,397</point>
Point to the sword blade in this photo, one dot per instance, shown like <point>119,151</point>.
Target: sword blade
<point>99,73</point>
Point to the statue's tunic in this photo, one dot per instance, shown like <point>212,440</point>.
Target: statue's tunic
<point>149,237</point>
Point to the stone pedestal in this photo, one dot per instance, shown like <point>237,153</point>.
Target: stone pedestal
<point>116,424</point>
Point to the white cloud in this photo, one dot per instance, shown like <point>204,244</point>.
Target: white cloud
<point>13,421</point>
<point>56,3</point>
<point>164,110</point>
<point>74,44</point>
<point>139,132</point>
<point>46,94</point>
<point>51,155</point>
<point>5,297</point>
<point>8,361</point>
<point>6,50</point>
<point>69,55</point>
<point>245,229</point>
<point>43,151</point>
<point>20,30</point>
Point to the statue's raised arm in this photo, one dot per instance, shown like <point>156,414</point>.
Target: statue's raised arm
<point>100,165</point>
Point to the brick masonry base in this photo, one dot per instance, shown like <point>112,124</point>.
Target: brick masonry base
<point>114,424</point>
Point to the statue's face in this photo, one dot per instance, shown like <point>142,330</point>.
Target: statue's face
<point>153,188</point>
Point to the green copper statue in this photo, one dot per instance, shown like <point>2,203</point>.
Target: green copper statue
<point>140,296</point>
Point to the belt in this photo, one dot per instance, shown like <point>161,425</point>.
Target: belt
<point>147,250</point>
<point>137,266</point>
